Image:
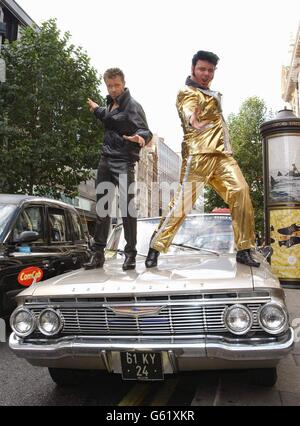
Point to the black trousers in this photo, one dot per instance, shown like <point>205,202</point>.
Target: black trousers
<point>112,173</point>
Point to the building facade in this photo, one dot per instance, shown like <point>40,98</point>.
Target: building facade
<point>12,20</point>
<point>157,176</point>
<point>291,77</point>
<point>168,169</point>
<point>147,200</point>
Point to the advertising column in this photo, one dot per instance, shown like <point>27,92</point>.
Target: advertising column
<point>281,147</point>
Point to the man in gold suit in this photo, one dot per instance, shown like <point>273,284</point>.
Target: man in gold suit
<point>207,159</point>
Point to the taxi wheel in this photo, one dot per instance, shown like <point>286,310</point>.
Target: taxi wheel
<point>263,376</point>
<point>71,377</point>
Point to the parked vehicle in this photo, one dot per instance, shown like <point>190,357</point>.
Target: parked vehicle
<point>39,239</point>
<point>198,310</point>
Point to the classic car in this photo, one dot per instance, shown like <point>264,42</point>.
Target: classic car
<point>39,239</point>
<point>198,309</point>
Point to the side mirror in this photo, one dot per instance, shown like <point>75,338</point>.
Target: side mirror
<point>28,237</point>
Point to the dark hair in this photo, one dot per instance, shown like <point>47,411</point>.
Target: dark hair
<point>114,72</point>
<point>202,55</point>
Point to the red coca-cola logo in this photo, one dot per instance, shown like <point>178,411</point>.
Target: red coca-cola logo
<point>27,276</point>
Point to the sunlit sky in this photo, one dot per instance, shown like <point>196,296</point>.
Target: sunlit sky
<point>154,41</point>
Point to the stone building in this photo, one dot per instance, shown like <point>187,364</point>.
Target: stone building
<point>168,169</point>
<point>157,169</point>
<point>291,77</point>
<point>147,200</point>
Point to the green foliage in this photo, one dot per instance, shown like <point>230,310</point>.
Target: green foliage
<point>49,141</point>
<point>247,148</point>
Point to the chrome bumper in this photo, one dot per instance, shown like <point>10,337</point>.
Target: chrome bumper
<point>218,347</point>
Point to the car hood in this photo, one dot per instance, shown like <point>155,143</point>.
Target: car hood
<point>174,274</point>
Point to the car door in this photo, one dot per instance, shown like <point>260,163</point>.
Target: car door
<point>79,239</point>
<point>27,262</point>
<point>60,241</point>
<point>66,239</point>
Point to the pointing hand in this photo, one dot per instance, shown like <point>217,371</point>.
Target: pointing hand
<point>195,123</point>
<point>92,105</point>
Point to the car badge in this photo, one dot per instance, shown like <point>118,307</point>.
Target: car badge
<point>135,311</point>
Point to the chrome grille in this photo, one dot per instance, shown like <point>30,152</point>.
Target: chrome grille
<point>174,319</point>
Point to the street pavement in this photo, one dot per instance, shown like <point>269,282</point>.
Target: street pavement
<point>24,385</point>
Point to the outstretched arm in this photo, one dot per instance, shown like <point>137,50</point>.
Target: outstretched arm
<point>194,121</point>
<point>96,109</point>
<point>189,108</point>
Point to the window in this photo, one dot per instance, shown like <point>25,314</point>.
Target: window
<point>30,219</point>
<point>58,227</point>
<point>6,212</point>
<point>77,228</point>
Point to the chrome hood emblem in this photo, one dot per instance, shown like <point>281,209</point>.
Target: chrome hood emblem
<point>135,311</point>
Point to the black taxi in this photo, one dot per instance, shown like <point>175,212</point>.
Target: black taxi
<point>39,238</point>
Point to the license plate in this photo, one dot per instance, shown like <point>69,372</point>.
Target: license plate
<point>142,366</point>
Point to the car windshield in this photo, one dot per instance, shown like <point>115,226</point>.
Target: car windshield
<point>207,232</point>
<point>6,211</point>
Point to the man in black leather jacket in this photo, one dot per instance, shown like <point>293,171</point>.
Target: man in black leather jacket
<point>126,132</point>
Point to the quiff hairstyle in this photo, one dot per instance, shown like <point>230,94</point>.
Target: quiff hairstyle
<point>114,72</point>
<point>205,56</point>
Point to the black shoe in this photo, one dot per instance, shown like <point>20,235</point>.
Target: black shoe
<point>284,243</point>
<point>152,257</point>
<point>289,230</point>
<point>290,243</point>
<point>96,261</point>
<point>245,257</point>
<point>129,263</point>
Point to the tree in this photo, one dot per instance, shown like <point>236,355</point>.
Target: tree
<point>247,148</point>
<point>48,140</point>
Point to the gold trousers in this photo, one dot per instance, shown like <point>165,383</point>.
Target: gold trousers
<point>222,173</point>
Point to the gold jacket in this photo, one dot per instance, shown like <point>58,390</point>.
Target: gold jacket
<point>214,137</point>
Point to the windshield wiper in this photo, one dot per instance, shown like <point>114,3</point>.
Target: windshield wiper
<point>195,248</point>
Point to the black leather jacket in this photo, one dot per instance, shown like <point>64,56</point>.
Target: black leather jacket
<point>128,119</point>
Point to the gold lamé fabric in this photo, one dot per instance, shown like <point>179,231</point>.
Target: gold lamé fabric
<point>222,172</point>
<point>207,159</point>
<point>214,137</point>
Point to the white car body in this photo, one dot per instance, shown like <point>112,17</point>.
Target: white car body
<point>176,310</point>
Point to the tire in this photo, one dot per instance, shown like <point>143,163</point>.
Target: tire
<point>263,376</point>
<point>71,377</point>
<point>66,377</point>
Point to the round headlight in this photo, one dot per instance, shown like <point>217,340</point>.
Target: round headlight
<point>50,322</point>
<point>273,318</point>
<point>238,319</point>
<point>23,322</point>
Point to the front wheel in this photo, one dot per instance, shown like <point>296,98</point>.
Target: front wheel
<point>263,376</point>
<point>72,377</point>
<point>68,377</point>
